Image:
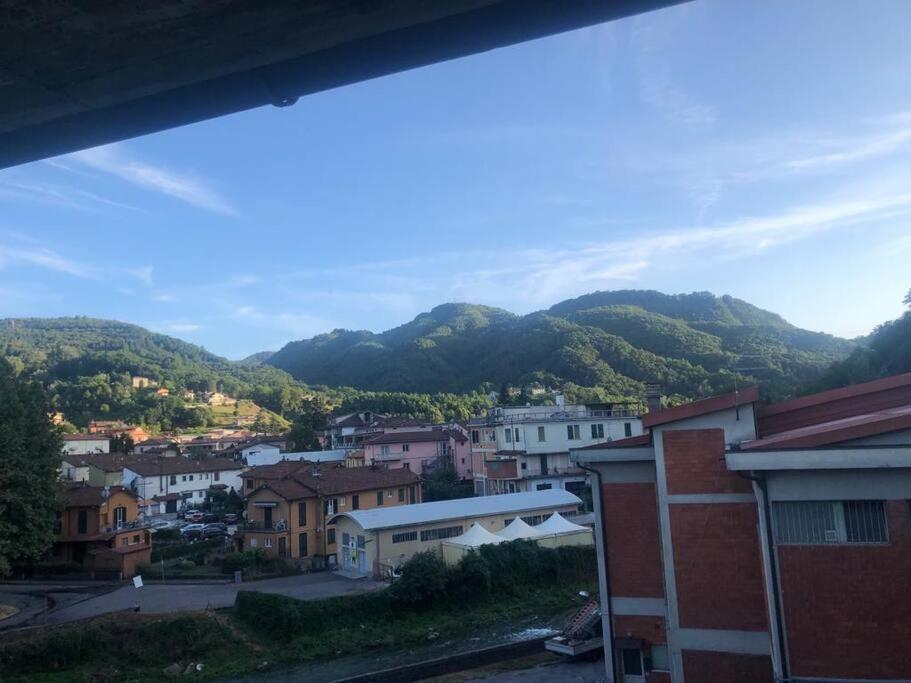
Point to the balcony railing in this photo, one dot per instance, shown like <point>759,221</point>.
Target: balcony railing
<point>277,526</point>
<point>557,415</point>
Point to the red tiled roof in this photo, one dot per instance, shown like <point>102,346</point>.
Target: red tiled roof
<point>703,407</point>
<point>180,465</point>
<point>852,391</point>
<point>284,468</point>
<point>417,437</point>
<point>304,482</point>
<point>80,495</point>
<point>835,431</point>
<point>86,437</point>
<point>106,462</point>
<point>629,442</point>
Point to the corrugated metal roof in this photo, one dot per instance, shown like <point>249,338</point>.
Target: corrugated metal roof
<point>460,508</point>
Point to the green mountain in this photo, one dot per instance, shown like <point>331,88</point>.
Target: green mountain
<point>887,351</point>
<point>613,342</point>
<point>88,365</point>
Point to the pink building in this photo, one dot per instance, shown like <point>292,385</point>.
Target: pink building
<point>417,450</point>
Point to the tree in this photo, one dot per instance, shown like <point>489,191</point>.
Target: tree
<point>122,443</point>
<point>260,424</point>
<point>30,448</point>
<point>503,398</point>
<point>907,299</point>
<point>423,578</point>
<point>444,484</point>
<point>302,437</point>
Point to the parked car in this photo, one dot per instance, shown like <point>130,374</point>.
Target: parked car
<point>192,531</point>
<point>229,518</point>
<point>214,531</point>
<point>196,517</point>
<point>209,517</point>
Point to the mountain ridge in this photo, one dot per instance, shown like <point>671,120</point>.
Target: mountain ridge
<point>616,341</point>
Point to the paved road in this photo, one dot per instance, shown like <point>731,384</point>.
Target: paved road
<point>158,598</point>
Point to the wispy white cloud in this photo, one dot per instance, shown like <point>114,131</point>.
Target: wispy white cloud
<point>164,298</point>
<point>182,327</point>
<point>45,258</point>
<point>850,150</point>
<point>183,186</point>
<point>56,195</point>
<point>141,273</point>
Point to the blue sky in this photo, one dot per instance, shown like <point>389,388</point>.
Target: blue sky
<point>756,149</point>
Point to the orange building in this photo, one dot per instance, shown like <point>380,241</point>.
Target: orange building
<point>97,529</point>
<point>288,504</point>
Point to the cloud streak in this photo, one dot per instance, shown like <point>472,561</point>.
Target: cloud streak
<point>184,187</point>
<point>44,258</point>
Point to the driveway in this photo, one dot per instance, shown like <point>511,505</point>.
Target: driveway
<point>165,598</point>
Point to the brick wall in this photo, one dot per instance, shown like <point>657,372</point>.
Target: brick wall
<point>651,630</point>
<point>847,608</point>
<point>694,463</point>
<point>633,541</point>
<point>718,667</point>
<point>718,567</point>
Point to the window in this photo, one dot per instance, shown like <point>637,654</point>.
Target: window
<point>401,495</point>
<point>330,536</point>
<point>249,483</point>
<point>524,465</point>
<point>406,447</point>
<point>302,514</point>
<point>384,450</point>
<point>544,487</point>
<point>253,543</point>
<point>191,477</point>
<point>442,532</point>
<point>541,433</point>
<point>173,480</point>
<point>356,502</point>
<point>532,520</point>
<point>136,538</point>
<point>818,522</point>
<point>406,466</point>
<point>572,432</point>
<point>405,537</point>
<point>331,506</point>
<point>183,478</point>
<point>82,521</point>
<point>627,429</point>
<point>217,476</point>
<point>597,431</point>
<point>125,541</point>
<point>302,545</point>
<point>390,493</point>
<point>379,497</point>
<point>516,435</point>
<point>660,661</point>
<point>268,542</point>
<point>475,436</point>
<point>508,435</point>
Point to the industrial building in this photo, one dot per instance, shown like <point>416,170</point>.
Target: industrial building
<point>747,542</point>
<point>375,541</point>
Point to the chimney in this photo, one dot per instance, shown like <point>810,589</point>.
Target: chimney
<point>653,397</point>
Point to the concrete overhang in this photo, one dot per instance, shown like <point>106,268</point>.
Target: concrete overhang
<point>869,457</point>
<point>607,455</point>
<point>75,75</point>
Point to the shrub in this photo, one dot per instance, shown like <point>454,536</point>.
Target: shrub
<point>423,577</point>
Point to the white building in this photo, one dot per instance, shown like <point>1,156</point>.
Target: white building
<point>526,448</point>
<point>169,484</point>
<point>84,444</point>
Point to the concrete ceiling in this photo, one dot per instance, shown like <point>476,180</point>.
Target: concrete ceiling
<point>76,74</point>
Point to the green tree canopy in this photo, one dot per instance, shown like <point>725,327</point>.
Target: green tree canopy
<point>30,448</point>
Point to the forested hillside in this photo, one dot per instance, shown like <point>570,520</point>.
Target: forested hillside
<point>887,351</point>
<point>87,366</point>
<point>604,344</point>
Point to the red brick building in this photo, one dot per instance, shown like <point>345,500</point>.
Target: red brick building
<point>741,542</point>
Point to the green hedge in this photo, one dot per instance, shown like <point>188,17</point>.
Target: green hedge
<point>510,568</point>
<point>199,549</point>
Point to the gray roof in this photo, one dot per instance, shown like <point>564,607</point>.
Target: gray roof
<point>460,508</point>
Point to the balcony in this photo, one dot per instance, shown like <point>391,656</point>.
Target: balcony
<point>279,526</point>
<point>388,457</point>
<point>554,414</point>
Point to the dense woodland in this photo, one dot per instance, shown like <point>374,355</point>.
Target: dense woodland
<point>445,364</point>
<point>605,345</point>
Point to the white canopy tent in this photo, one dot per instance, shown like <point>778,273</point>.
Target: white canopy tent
<point>556,530</point>
<point>476,536</point>
<point>517,528</point>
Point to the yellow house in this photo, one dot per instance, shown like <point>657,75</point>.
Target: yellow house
<point>98,529</point>
<point>288,504</point>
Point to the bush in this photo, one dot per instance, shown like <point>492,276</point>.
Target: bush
<point>423,577</point>
<point>183,549</point>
